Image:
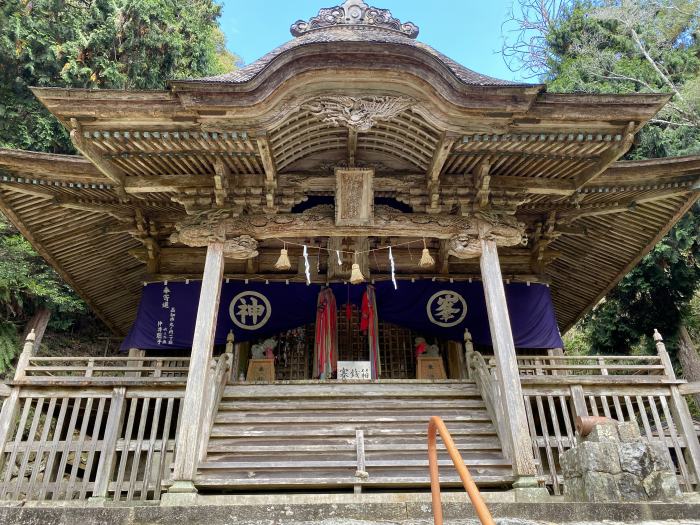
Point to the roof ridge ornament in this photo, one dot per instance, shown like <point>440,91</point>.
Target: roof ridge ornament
<point>355,14</point>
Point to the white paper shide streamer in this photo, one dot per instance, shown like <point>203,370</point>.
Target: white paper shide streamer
<point>307,268</point>
<point>393,269</point>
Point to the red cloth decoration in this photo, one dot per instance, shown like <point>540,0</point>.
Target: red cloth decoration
<point>370,324</point>
<point>366,313</point>
<point>326,344</point>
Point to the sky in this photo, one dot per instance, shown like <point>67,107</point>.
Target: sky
<point>468,31</point>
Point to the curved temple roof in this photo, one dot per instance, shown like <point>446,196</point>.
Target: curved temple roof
<point>355,21</point>
<point>352,88</point>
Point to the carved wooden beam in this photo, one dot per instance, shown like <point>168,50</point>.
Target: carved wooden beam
<point>268,161</point>
<point>533,185</point>
<point>313,182</point>
<point>408,181</point>
<point>112,208</point>
<point>442,152</point>
<point>241,231</point>
<point>112,172</point>
<point>167,183</point>
<point>607,158</point>
<point>568,215</point>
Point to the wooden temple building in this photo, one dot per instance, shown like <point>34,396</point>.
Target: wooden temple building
<point>456,202</point>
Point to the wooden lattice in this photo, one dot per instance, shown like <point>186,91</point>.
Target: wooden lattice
<point>294,353</point>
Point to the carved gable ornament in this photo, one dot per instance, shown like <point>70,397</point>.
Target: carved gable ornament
<point>355,14</point>
<point>358,113</point>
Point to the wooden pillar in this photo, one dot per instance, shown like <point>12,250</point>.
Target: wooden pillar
<point>135,352</point>
<point>194,403</point>
<point>108,456</point>
<point>512,405</point>
<point>25,356</point>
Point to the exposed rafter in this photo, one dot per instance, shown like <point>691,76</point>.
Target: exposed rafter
<point>107,168</point>
<point>607,158</point>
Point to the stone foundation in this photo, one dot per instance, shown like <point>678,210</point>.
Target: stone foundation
<point>347,509</point>
<point>614,463</point>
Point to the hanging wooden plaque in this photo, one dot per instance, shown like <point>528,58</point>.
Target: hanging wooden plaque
<point>354,196</point>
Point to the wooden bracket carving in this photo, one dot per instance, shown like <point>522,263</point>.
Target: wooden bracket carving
<point>221,182</point>
<point>442,152</point>
<point>268,161</point>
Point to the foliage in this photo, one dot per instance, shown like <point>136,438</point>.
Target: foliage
<point>26,283</point>
<point>9,346</point>
<point>693,319</point>
<point>629,46</point>
<point>116,44</point>
<point>632,46</point>
<point>526,48</point>
<point>655,294</point>
<point>108,44</point>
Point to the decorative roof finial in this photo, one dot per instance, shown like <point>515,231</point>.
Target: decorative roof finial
<point>355,14</point>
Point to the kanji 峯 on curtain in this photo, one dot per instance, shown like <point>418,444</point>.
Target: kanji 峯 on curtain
<point>326,344</point>
<point>370,324</point>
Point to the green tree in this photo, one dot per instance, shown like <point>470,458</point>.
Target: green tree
<point>115,44</point>
<point>629,46</point>
<point>108,44</point>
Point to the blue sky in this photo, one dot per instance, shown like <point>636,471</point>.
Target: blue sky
<point>468,31</point>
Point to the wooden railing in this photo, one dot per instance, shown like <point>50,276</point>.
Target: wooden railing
<point>437,426</point>
<point>484,377</point>
<point>565,365</point>
<point>104,428</point>
<point>556,389</point>
<point>77,369</point>
<point>219,374</point>
<point>65,443</point>
<point>89,427</point>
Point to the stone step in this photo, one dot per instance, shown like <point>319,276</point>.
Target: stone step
<point>406,508</point>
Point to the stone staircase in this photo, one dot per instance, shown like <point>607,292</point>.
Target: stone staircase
<point>339,436</point>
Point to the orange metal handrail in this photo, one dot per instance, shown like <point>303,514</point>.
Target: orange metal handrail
<point>436,426</point>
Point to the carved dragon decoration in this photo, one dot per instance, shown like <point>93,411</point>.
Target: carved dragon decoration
<point>358,113</point>
<point>239,232</point>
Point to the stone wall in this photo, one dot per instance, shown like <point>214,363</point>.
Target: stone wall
<point>614,463</point>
